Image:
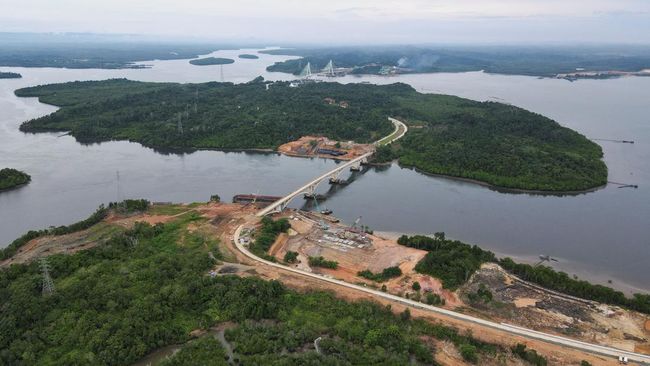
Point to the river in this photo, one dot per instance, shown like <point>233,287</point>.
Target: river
<point>602,235</point>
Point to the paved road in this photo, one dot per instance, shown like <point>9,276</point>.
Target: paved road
<point>282,202</point>
<point>512,329</point>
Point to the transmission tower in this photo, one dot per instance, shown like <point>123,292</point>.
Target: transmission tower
<point>180,123</point>
<point>221,71</point>
<point>48,284</point>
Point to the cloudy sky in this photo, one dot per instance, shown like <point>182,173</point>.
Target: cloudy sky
<point>342,21</point>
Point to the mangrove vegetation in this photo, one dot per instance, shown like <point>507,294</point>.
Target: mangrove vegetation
<point>12,178</point>
<point>490,142</point>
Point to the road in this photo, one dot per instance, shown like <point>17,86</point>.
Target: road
<point>508,328</point>
<point>398,133</point>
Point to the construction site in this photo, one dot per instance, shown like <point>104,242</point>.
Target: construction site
<point>320,146</point>
<point>354,249</point>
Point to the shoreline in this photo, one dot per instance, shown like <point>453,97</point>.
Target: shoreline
<point>585,275</point>
<point>501,189</point>
<point>14,187</point>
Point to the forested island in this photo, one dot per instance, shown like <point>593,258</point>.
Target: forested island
<point>212,61</point>
<point>249,56</point>
<point>517,60</point>
<point>10,75</point>
<point>490,142</point>
<point>12,178</point>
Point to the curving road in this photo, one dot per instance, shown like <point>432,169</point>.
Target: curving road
<point>399,132</point>
<point>512,329</point>
<point>279,205</point>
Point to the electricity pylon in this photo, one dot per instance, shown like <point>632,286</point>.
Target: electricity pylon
<point>48,284</point>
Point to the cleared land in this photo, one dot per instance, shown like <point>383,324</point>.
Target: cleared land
<point>522,304</point>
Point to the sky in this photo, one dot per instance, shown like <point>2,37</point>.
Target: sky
<point>343,21</point>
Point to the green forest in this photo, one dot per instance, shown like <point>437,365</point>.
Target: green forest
<point>12,178</point>
<point>10,75</point>
<point>490,142</point>
<point>248,56</point>
<point>212,61</point>
<point>535,61</point>
<point>147,287</point>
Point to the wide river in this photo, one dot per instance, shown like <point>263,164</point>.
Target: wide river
<point>602,235</point>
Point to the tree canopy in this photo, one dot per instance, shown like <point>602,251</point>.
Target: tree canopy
<point>499,144</point>
<point>12,178</point>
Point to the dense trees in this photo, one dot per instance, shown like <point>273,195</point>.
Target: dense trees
<point>385,275</point>
<point>12,178</point>
<point>267,234</point>
<point>205,351</point>
<point>226,115</point>
<point>291,257</point>
<point>322,262</point>
<point>117,302</point>
<point>500,144</point>
<point>212,61</point>
<point>10,75</point>
<point>450,260</point>
<point>490,142</point>
<point>538,61</point>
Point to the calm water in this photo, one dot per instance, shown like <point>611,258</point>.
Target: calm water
<point>603,235</point>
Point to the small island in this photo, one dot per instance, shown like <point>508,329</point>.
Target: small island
<point>249,56</point>
<point>212,61</point>
<point>10,75</point>
<point>12,178</point>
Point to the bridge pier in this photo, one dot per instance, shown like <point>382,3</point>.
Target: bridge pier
<point>335,177</point>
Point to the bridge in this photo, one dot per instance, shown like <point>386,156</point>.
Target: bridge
<point>334,174</point>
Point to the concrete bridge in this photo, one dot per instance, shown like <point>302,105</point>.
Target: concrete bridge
<point>334,174</point>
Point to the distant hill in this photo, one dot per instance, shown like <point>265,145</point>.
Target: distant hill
<point>10,75</point>
<point>519,60</point>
